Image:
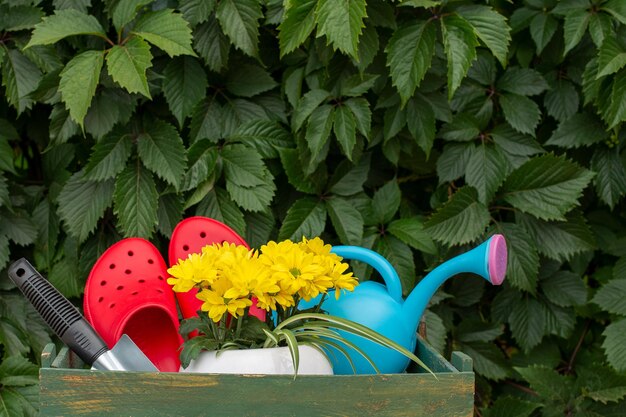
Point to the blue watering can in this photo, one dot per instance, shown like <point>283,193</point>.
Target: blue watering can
<point>382,308</point>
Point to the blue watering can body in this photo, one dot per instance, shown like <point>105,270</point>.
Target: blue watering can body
<point>382,308</point>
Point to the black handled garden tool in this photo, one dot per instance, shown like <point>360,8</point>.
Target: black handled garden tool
<point>75,331</point>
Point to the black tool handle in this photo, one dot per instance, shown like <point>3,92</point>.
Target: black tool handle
<point>58,312</point>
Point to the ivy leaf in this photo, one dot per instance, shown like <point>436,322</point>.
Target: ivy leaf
<point>574,28</point>
<point>219,205</point>
<point>211,44</point>
<point>240,21</point>
<point>527,322</point>
<point>491,28</point>
<point>166,30</point>
<point>616,111</point>
<point>62,127</point>
<point>267,137</point>
<point>306,217</point>
<point>4,192</point>
<point>357,84</point>
<point>162,151</point>
<point>249,80</point>
<point>386,202</point>
<point>617,9</point>
<point>547,382</point>
<point>125,11</point>
<point>579,130</point>
<point>346,219</point>
<point>82,203</point>
<point>256,198</point>
<point>559,240</point>
<point>612,297</point>
<point>127,65</point>
<point>600,27</point>
<point>297,24</point>
<point>18,227</point>
<point>515,143</point>
<point>360,108</point>
<point>520,112</point>
<point>546,186</point>
<point>461,220</point>
<point>460,44</point>
<point>259,228</point>
<point>565,289</point>
<point>411,231</point>
<point>485,171</point>
<point>136,201</point>
<point>295,175</point>
<point>344,127</point>
<point>196,11</point>
<point>64,23</point>
<point>608,395</point>
<point>506,406</point>
<point>610,180</point>
<point>318,128</point>
<point>20,77</point>
<point>342,23</point>
<point>78,83</point>
<point>488,360</point>
<point>393,122</point>
<point>108,108</point>
<point>611,57</point>
<point>562,101</point>
<point>522,81</point>
<point>306,105</point>
<point>18,18</point>
<point>350,181</point>
<point>463,128</point>
<point>109,156</point>
<point>242,165</point>
<point>207,121</point>
<point>453,160</point>
<point>615,344</point>
<point>202,157</point>
<point>169,213</point>
<point>523,260</point>
<point>409,55</point>
<point>184,85</point>
<point>400,257</point>
<point>542,28</point>
<point>421,123</point>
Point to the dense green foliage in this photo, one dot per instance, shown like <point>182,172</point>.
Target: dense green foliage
<point>414,127</point>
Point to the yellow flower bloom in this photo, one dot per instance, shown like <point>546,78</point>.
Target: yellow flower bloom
<point>342,280</point>
<point>191,272</point>
<point>216,303</point>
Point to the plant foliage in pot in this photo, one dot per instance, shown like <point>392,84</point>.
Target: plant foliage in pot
<point>231,279</point>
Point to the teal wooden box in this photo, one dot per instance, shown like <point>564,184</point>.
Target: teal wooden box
<point>66,390</point>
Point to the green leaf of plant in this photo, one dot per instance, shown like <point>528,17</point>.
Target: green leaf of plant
<point>421,123</point>
<point>318,128</point>
<point>522,81</point>
<point>4,192</point>
<point>108,108</point>
<point>485,171</point>
<point>125,11</point>
<point>617,9</point>
<point>346,219</point>
<point>62,127</point>
<point>240,21</point>
<point>612,297</point>
<point>574,28</point>
<point>342,23</point>
<point>136,201</point>
<point>127,65</point>
<point>64,23</point>
<point>542,28</point>
<point>611,57</point>
<point>201,158</point>
<point>344,127</point>
<point>249,80</point>
<point>82,203</point>
<point>219,205</point>
<point>546,186</point>
<point>400,257</point>
<point>306,217</point>
<point>166,30</point>
<point>515,143</point>
<point>242,165</point>
<point>267,137</point>
<point>616,112</point>
<point>491,28</point>
<point>520,112</point>
<point>184,85</point>
<point>523,260</point>
<point>256,198</point>
<point>565,289</point>
<point>20,77</point>
<point>295,174</point>
<point>259,228</point>
<point>207,121</point>
<point>463,128</point>
<point>196,11</point>
<point>582,129</point>
<point>393,122</point>
<point>411,231</point>
<point>562,101</point>
<point>18,227</point>
<point>460,44</point>
<point>559,240</point>
<point>162,151</point>
<point>505,406</point>
<point>18,18</point>
<point>488,360</point>
<point>297,24</point>
<point>306,105</point>
<point>604,396</point>
<point>453,160</point>
<point>409,55</point>
<point>615,344</point>
<point>547,382</point>
<point>350,180</point>
<point>386,202</point>
<point>169,213</point>
<point>610,180</point>
<point>109,156</point>
<point>600,26</point>
<point>212,44</point>
<point>527,323</point>
<point>78,83</point>
<point>362,114</point>
<point>461,220</point>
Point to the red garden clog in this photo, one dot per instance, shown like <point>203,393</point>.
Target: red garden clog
<point>127,293</point>
<point>190,236</point>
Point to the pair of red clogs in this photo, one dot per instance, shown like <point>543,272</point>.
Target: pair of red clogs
<point>127,291</point>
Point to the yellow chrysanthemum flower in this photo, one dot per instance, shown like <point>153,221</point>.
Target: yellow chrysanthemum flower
<point>216,303</point>
<point>190,272</point>
<point>342,280</point>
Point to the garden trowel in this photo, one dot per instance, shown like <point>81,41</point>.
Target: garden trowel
<point>73,329</point>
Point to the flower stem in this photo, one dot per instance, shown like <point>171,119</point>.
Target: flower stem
<point>239,325</point>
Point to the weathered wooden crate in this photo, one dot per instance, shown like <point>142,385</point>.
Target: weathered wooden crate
<point>67,391</point>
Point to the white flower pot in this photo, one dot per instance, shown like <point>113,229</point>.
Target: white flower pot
<point>274,361</point>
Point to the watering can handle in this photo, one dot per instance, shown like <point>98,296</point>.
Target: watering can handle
<point>378,262</point>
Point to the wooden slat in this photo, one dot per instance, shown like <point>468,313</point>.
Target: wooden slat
<point>69,392</point>
<point>431,358</point>
<point>462,362</point>
<point>48,354</point>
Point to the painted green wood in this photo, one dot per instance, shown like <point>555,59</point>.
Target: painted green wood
<point>48,354</point>
<point>462,362</point>
<point>431,358</point>
<point>82,392</point>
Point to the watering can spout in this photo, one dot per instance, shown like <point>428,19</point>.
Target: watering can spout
<point>488,260</point>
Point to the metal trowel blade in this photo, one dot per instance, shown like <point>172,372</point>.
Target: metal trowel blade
<point>125,356</point>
